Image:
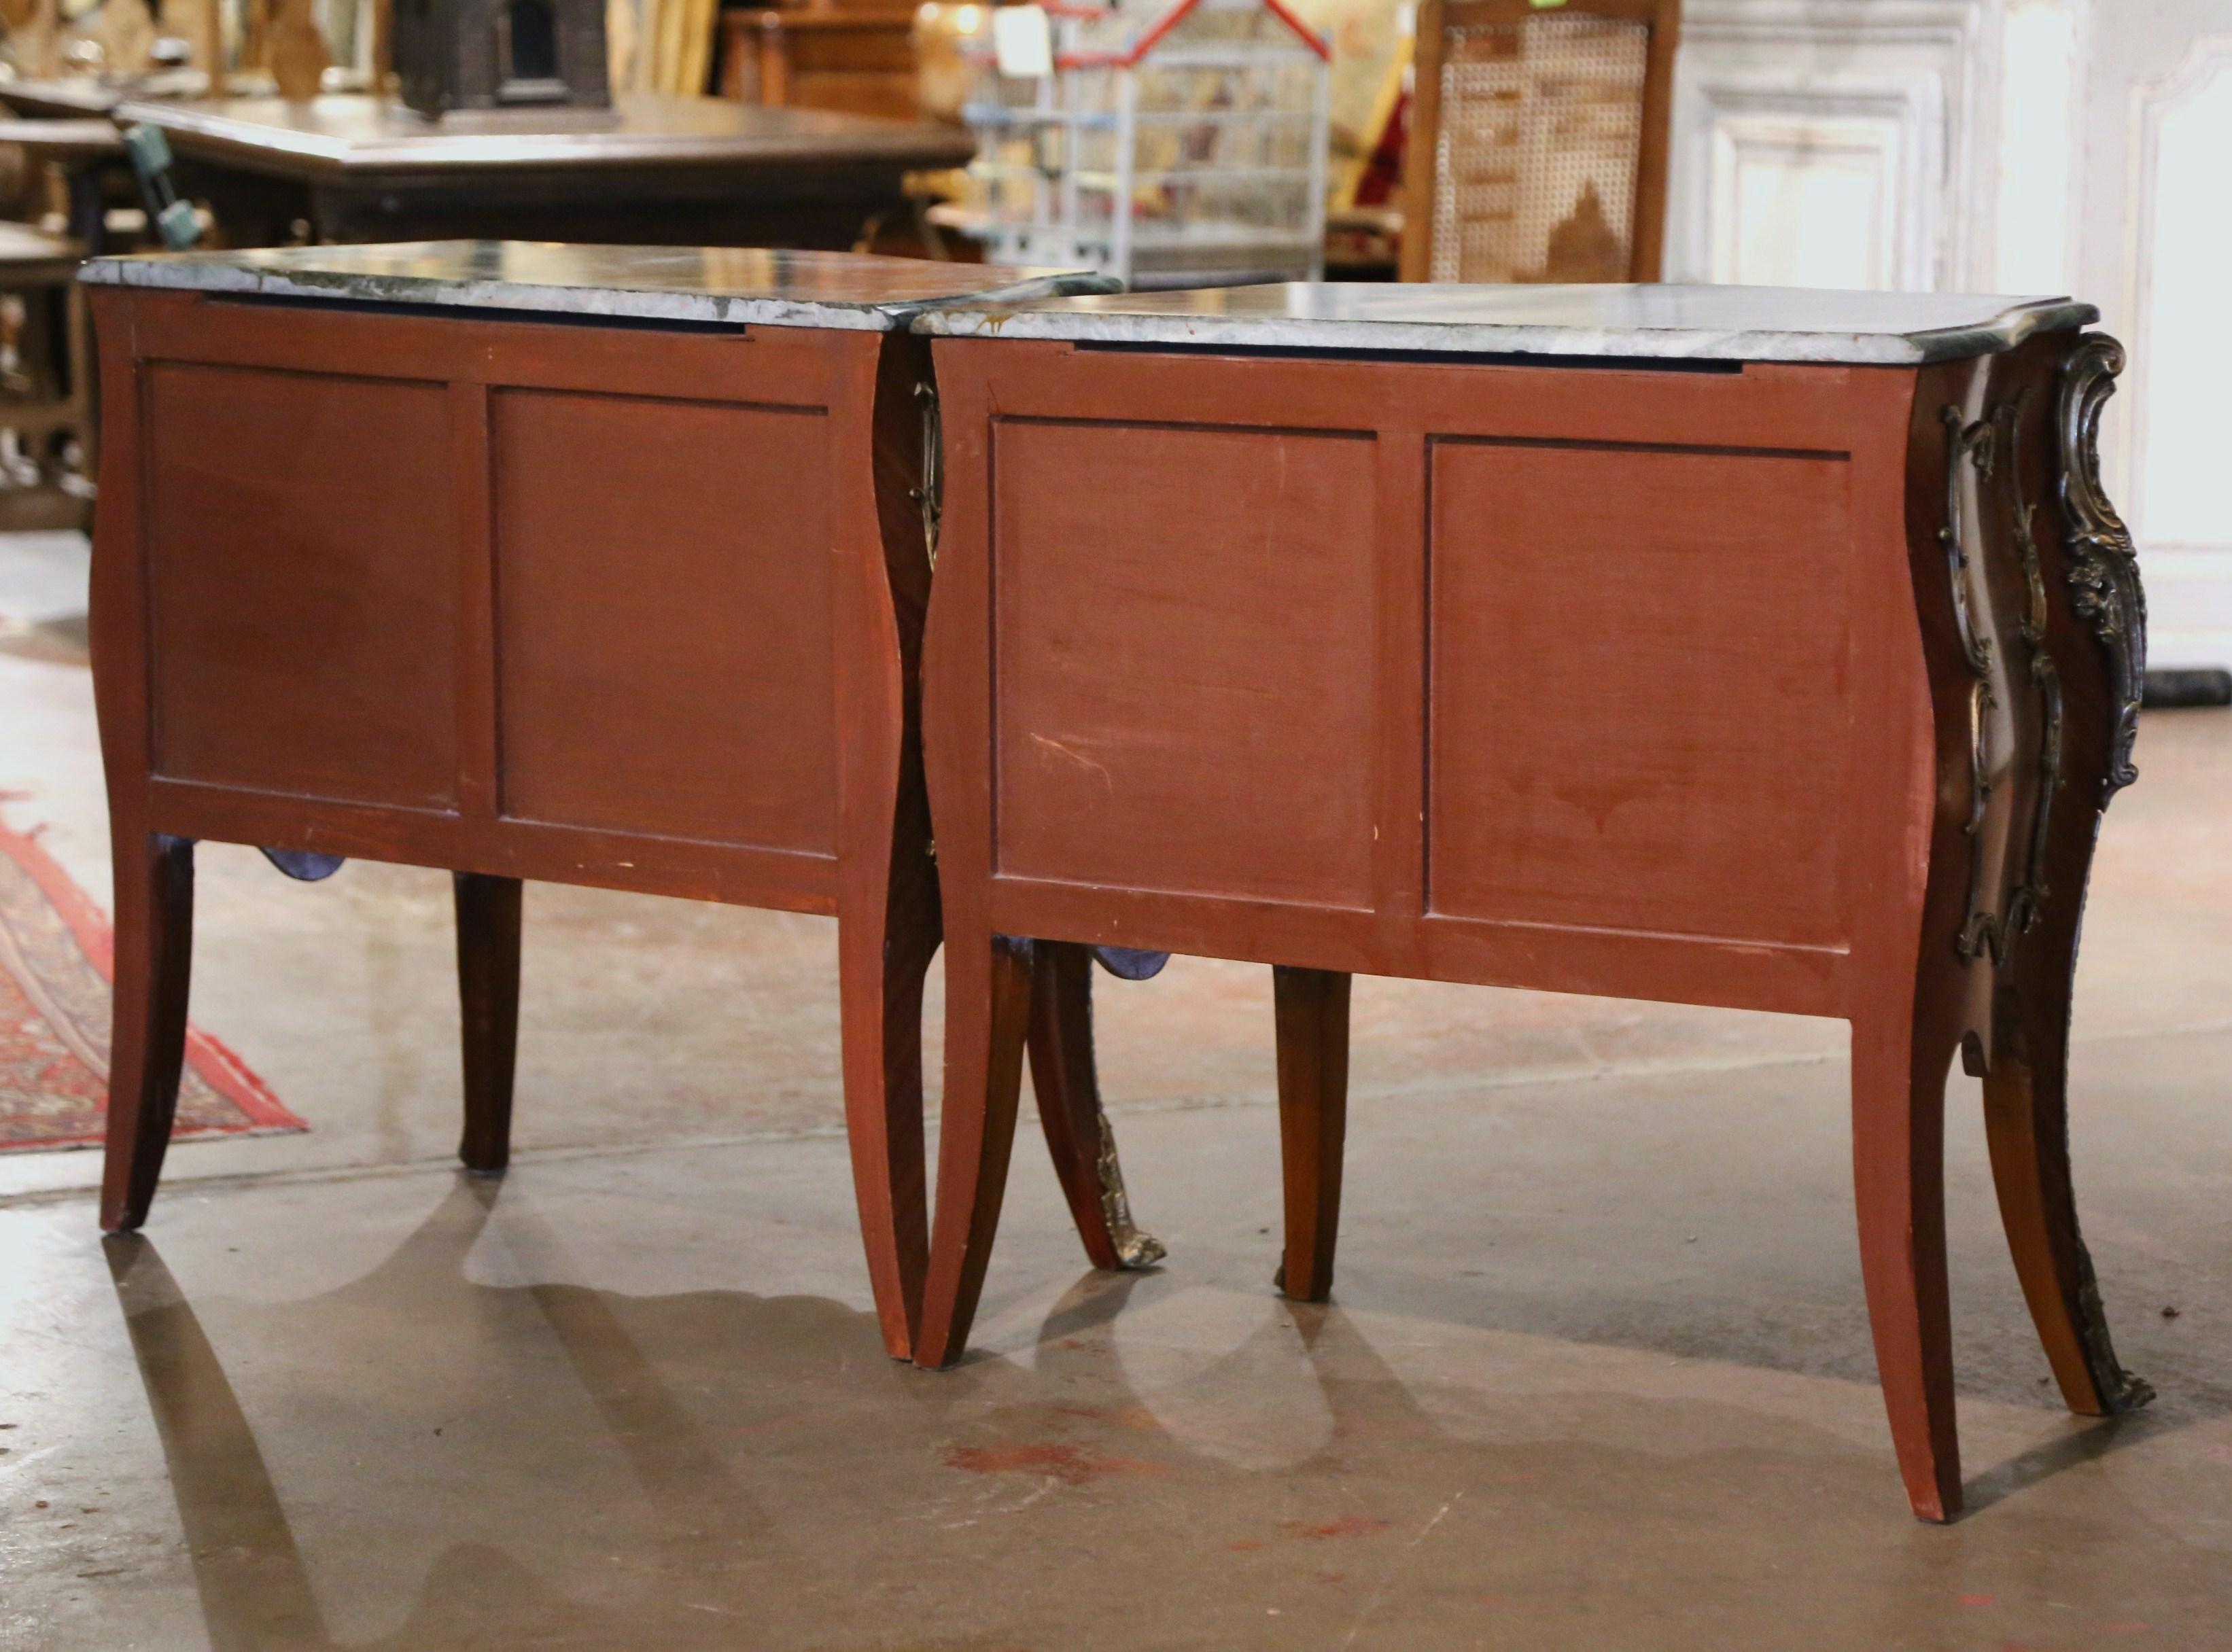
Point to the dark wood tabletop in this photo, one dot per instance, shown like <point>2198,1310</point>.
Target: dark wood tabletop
<point>64,140</point>
<point>652,170</point>
<point>351,136</point>
<point>65,96</point>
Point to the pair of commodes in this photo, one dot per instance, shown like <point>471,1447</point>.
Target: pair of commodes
<point>1773,650</point>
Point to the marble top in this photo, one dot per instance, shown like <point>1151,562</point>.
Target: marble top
<point>1701,323</point>
<point>735,285</point>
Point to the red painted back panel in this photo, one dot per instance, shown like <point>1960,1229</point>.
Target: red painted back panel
<point>1187,674</point>
<point>302,573</point>
<point>664,647</point>
<point>1638,693</point>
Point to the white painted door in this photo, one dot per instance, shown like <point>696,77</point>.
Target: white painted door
<point>2153,230</point>
<point>2032,146</point>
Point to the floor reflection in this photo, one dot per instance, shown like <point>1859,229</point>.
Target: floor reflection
<point>466,1448</point>
<point>255,1589</point>
<point>249,1567</point>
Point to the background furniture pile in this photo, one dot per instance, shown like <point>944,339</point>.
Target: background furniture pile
<point>1164,144</point>
<point>1538,141</point>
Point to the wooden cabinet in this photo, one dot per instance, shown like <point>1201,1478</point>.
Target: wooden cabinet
<point>854,59</point>
<point>1538,142</point>
<point>592,565</point>
<point>1776,650</point>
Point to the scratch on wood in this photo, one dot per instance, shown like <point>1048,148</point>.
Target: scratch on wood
<point>1078,758</point>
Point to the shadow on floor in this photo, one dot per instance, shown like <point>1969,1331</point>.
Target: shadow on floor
<point>765,1472</point>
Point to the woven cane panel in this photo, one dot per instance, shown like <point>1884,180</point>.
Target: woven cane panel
<point>1541,139</point>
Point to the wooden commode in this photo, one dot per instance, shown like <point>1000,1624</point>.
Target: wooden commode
<point>1775,649</point>
<point>591,565</point>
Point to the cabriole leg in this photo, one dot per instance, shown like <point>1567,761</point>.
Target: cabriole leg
<point>1066,1081</point>
<point>1898,1172</point>
<point>154,877</point>
<point>2086,573</point>
<point>2027,1123</point>
<point>882,961</point>
<point>988,996</point>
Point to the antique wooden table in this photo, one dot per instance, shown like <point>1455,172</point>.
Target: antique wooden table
<point>1773,650</point>
<point>65,97</point>
<point>600,565</point>
<point>657,171</point>
<point>86,153</point>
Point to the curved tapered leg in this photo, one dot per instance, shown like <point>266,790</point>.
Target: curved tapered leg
<point>2027,1123</point>
<point>147,1041</point>
<point>2026,1127</point>
<point>888,901</point>
<point>1067,1085</point>
<point>2098,681</point>
<point>988,994</point>
<point>1311,1011</point>
<point>883,957</point>
<point>1899,1069</point>
<point>487,997</point>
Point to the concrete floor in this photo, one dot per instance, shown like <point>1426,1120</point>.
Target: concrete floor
<point>1598,1376</point>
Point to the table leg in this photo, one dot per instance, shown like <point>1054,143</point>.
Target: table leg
<point>155,900</point>
<point>1311,1006</point>
<point>488,996</point>
<point>2098,690</point>
<point>1901,1055</point>
<point>1912,996</point>
<point>987,999</point>
<point>883,955</point>
<point>2026,1128</point>
<point>2027,1124</point>
<point>88,205</point>
<point>1064,1078</point>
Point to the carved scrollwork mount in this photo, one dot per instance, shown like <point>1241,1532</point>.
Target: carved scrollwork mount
<point>1971,446</point>
<point>2103,569</point>
<point>2105,593</point>
<point>931,495</point>
<point>2028,902</point>
<point>2005,520</point>
<point>1134,1249</point>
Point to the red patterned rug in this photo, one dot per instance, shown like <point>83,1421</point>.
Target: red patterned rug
<point>54,963</point>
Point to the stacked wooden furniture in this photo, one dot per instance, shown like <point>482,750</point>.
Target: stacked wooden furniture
<point>1769,649</point>
<point>658,171</point>
<point>391,564</point>
<point>854,59</point>
<point>46,398</point>
<point>1538,142</point>
<point>86,153</point>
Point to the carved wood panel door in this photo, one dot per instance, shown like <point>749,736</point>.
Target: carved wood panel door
<point>2152,244</point>
<point>2027,146</point>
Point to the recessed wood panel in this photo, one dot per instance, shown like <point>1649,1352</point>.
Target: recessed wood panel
<point>302,577</point>
<point>1184,681</point>
<point>1639,688</point>
<point>663,595</point>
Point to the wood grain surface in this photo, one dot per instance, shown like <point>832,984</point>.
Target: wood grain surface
<point>1779,687</point>
<point>626,605</point>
